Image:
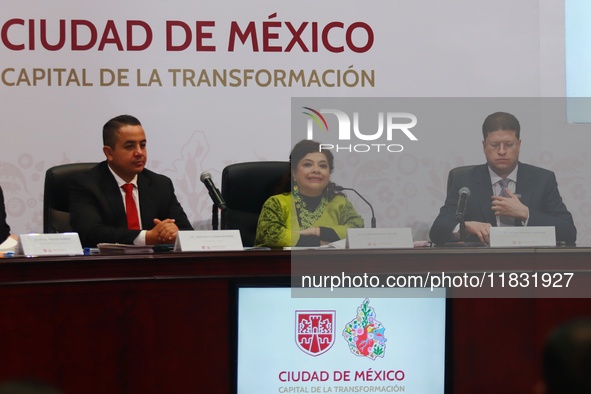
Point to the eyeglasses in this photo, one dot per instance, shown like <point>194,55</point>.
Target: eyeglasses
<point>506,145</point>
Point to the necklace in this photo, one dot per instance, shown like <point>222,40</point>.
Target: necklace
<point>307,218</point>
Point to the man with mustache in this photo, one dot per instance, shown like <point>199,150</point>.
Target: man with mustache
<point>119,200</point>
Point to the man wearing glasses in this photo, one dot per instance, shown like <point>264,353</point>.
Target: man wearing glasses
<point>503,192</point>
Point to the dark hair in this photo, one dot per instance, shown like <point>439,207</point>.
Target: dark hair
<point>500,121</point>
<point>111,128</point>
<point>305,147</point>
<point>299,151</point>
<point>567,358</point>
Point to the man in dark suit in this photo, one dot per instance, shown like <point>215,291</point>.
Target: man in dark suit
<point>502,192</point>
<point>4,227</point>
<point>100,208</point>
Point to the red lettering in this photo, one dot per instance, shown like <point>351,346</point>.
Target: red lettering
<point>268,36</point>
<point>325,33</point>
<point>201,35</point>
<point>169,45</point>
<point>370,37</point>
<point>129,32</point>
<point>250,31</point>
<point>62,36</point>
<point>31,34</point>
<point>297,34</point>
<point>4,34</point>
<point>93,35</point>
<point>314,36</point>
<point>82,35</point>
<point>105,39</point>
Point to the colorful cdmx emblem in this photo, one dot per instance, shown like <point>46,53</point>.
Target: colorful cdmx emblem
<point>364,334</point>
<point>315,331</point>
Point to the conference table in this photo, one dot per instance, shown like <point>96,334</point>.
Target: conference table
<point>164,322</point>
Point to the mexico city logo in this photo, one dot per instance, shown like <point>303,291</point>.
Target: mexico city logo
<point>390,124</point>
<point>315,331</point>
<point>365,334</point>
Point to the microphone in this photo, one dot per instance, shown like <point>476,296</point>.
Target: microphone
<point>373,216</point>
<point>214,193</point>
<point>462,201</point>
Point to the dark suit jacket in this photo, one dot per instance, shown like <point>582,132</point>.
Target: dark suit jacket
<point>4,227</point>
<point>539,192</point>
<point>97,211</point>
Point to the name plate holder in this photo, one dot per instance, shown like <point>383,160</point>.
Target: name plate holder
<point>510,237</point>
<point>208,240</point>
<point>60,244</point>
<point>379,238</point>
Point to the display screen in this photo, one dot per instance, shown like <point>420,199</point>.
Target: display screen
<point>578,60</point>
<point>339,345</point>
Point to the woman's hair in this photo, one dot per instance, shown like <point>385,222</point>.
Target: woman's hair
<point>305,147</point>
<point>299,151</point>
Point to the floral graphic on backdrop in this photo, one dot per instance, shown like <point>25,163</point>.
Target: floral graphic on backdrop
<point>365,334</point>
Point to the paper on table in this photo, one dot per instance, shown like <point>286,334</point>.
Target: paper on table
<point>9,245</point>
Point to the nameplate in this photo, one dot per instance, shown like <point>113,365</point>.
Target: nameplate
<point>64,244</point>
<point>505,237</point>
<point>208,240</point>
<point>382,238</point>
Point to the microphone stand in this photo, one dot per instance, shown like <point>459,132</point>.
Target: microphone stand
<point>214,216</point>
<point>463,200</point>
<point>462,228</point>
<point>373,216</point>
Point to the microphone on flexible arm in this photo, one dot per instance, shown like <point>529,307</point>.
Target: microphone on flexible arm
<point>214,193</point>
<point>373,216</point>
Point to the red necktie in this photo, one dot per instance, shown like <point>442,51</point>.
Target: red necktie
<point>133,221</point>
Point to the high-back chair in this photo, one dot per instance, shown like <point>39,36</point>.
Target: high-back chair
<point>56,212</point>
<point>245,188</point>
<point>456,171</point>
